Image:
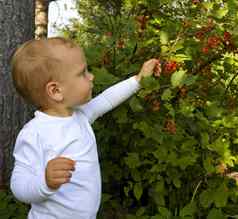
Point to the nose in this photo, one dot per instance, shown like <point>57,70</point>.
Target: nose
<point>91,77</point>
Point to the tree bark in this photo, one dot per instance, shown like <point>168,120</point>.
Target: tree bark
<point>41,18</point>
<point>16,27</point>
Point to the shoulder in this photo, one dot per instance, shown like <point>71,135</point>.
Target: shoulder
<point>80,115</point>
<point>28,135</point>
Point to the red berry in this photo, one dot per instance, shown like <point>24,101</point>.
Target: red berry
<point>213,41</point>
<point>109,34</point>
<point>199,35</point>
<point>170,67</point>
<point>148,97</point>
<point>155,105</point>
<point>196,1</point>
<point>205,50</point>
<point>120,44</point>
<point>227,36</point>
<point>170,126</point>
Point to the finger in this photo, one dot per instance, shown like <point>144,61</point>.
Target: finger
<point>61,160</point>
<point>60,181</point>
<point>63,166</point>
<point>65,159</point>
<point>61,174</point>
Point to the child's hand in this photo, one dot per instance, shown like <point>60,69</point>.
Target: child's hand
<point>58,171</point>
<point>150,67</point>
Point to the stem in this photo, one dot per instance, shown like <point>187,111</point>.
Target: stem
<point>195,191</point>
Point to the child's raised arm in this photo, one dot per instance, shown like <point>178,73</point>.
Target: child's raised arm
<point>118,93</point>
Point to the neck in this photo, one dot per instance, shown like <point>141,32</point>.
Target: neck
<point>64,112</point>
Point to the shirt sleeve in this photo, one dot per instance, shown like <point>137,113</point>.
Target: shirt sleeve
<point>27,181</point>
<point>109,99</point>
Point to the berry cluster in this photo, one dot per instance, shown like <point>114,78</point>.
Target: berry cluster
<point>156,105</point>
<point>120,44</point>
<point>213,42</point>
<point>108,34</point>
<point>170,126</point>
<point>170,67</point>
<point>200,35</point>
<point>196,2</point>
<point>165,67</point>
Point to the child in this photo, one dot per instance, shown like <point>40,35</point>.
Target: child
<point>56,162</point>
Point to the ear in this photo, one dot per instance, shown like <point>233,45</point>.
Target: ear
<point>54,91</point>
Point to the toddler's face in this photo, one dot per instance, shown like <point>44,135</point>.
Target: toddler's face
<point>77,81</point>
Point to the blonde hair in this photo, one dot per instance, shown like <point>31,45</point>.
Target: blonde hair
<point>34,64</point>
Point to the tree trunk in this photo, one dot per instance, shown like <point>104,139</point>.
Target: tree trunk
<point>41,18</point>
<point>16,27</point>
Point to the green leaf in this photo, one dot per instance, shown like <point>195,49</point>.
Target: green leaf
<point>188,210</point>
<point>164,37</point>
<point>140,211</point>
<point>136,105</point>
<point>150,83</point>
<point>138,190</point>
<point>157,217</point>
<point>164,212</point>
<point>186,108</point>
<point>148,130</point>
<point>132,160</point>
<point>221,196</point>
<point>135,175</point>
<point>170,108</point>
<point>206,198</point>
<point>208,5</point>
<point>190,79</point>
<point>103,77</point>
<point>207,164</point>
<point>177,182</point>
<point>181,57</point>
<point>204,139</point>
<point>178,77</point>
<point>120,114</point>
<point>167,95</point>
<point>106,197</point>
<point>213,109</point>
<point>215,214</point>
<point>220,145</point>
<point>221,12</point>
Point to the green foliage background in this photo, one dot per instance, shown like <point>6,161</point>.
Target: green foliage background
<point>178,160</point>
<point>149,171</point>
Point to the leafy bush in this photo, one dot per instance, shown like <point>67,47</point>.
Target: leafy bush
<point>10,208</point>
<point>170,151</point>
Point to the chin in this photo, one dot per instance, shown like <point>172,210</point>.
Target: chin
<point>86,101</point>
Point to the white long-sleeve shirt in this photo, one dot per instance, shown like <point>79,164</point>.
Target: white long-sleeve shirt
<point>45,137</point>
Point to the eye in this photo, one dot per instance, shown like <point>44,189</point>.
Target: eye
<point>82,73</point>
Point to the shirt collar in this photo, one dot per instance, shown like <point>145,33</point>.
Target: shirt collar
<point>45,116</point>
